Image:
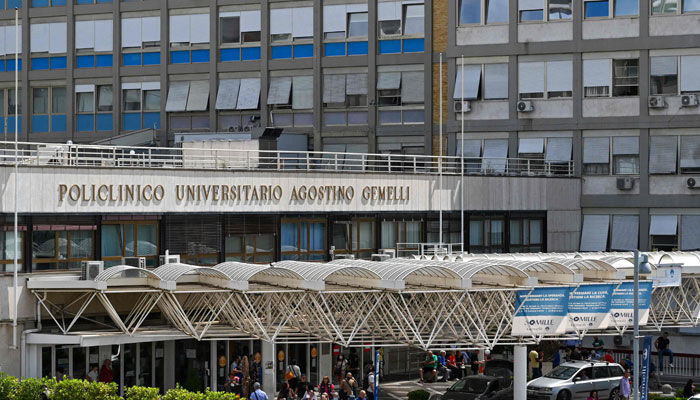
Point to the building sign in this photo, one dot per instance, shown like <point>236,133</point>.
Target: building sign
<point>667,276</point>
<point>589,307</point>
<point>541,311</point>
<point>622,303</point>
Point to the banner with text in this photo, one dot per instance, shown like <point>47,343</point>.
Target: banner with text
<point>541,311</point>
<point>646,365</point>
<point>589,307</point>
<point>622,303</point>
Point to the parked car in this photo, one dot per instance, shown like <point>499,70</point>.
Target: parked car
<point>495,384</point>
<point>575,380</point>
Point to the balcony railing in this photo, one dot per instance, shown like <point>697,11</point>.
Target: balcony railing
<point>91,156</point>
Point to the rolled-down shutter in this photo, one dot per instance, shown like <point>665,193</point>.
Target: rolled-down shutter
<point>227,96</point>
<point>558,150</point>
<point>177,96</point>
<point>662,154</point>
<point>690,151</point>
<point>594,234</point>
<point>663,225</point>
<point>302,92</point>
<point>389,80</point>
<point>531,77</point>
<point>333,88</point>
<point>531,146</point>
<point>596,150</point>
<point>625,233</point>
<point>626,145</point>
<point>412,87</point>
<point>690,232</point>
<point>495,154</point>
<point>597,72</point>
<point>356,84</point>
<point>472,148</point>
<point>193,234</point>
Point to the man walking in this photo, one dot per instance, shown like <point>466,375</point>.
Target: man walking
<point>625,388</point>
<point>663,346</point>
<point>257,393</point>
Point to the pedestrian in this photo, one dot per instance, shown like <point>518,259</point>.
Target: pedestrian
<point>60,374</point>
<point>535,362</point>
<point>557,358</point>
<point>286,393</point>
<point>309,394</point>
<point>625,388</point>
<point>326,386</point>
<point>94,373</point>
<point>348,386</point>
<point>353,362</point>
<point>474,361</point>
<point>370,385</point>
<point>598,344</point>
<point>593,395</point>
<point>429,366</point>
<point>663,346</point>
<point>236,368</point>
<point>293,374</point>
<point>106,373</point>
<point>608,356</point>
<point>362,395</point>
<point>575,354</point>
<point>341,365</point>
<point>303,385</point>
<point>230,382</point>
<point>689,389</point>
<point>257,393</point>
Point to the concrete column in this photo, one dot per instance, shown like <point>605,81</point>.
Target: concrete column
<point>169,364</point>
<point>269,358</point>
<point>519,372</point>
<point>325,366</point>
<point>212,366</point>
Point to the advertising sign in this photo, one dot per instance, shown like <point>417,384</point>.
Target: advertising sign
<point>646,365</point>
<point>589,307</point>
<point>541,311</point>
<point>622,303</point>
<point>376,375</point>
<point>667,276</point>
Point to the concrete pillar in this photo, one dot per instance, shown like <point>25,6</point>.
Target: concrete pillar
<point>519,372</point>
<point>269,358</point>
<point>169,364</point>
<point>325,366</point>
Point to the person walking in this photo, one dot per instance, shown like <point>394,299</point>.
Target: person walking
<point>348,386</point>
<point>258,394</point>
<point>370,385</point>
<point>293,374</point>
<point>106,373</point>
<point>326,386</point>
<point>535,362</point>
<point>341,365</point>
<point>663,346</point>
<point>689,389</point>
<point>286,393</point>
<point>625,388</point>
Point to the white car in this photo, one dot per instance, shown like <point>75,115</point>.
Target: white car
<point>575,380</point>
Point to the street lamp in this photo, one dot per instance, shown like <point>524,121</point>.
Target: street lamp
<point>641,266</point>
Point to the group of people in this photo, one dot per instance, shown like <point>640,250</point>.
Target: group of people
<point>451,365</point>
<point>96,374</point>
<point>242,376</point>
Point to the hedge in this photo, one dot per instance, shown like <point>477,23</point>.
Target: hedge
<point>77,389</point>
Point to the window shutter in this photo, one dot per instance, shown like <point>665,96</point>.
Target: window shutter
<point>303,22</point>
<point>530,5</point>
<point>250,21</point>
<point>472,80</point>
<point>558,150</point>
<point>663,225</point>
<point>662,154</point>
<point>227,95</point>
<point>531,77</point>
<point>560,75</point>
<point>495,154</point>
<point>334,88</point>
<point>150,29</point>
<point>177,96</point>
<point>280,21</point>
<point>280,89</point>
<point>302,92</point>
<point>495,81</point>
<point>179,29</point>
<point>594,235</point>
<point>334,18</point>
<point>248,94</point>
<point>690,73</point>
<point>531,146</point>
<point>690,151</point>
<point>39,38</point>
<point>84,34</point>
<point>198,98</point>
<point>58,37</point>
<point>661,66</point>
<point>690,232</point>
<point>596,150</point>
<point>472,148</point>
<point>597,72</point>
<point>199,28</point>
<point>625,233</point>
<point>389,80</point>
<point>103,35</point>
<point>356,84</point>
<point>626,145</point>
<point>199,234</point>
<point>412,87</point>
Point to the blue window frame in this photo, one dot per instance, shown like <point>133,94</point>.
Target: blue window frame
<point>281,52</point>
<point>597,9</point>
<point>132,59</point>
<point>141,109</point>
<point>200,56</point>
<point>40,63</point>
<point>103,60</point>
<point>85,61</point>
<point>358,48</point>
<point>334,49</point>
<point>413,45</point>
<point>250,53</point>
<point>303,50</point>
<point>389,46</point>
<point>230,55</point>
<point>180,57</point>
<point>137,59</point>
<point>151,58</point>
<point>93,108</point>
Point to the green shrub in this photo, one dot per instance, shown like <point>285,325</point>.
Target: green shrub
<point>78,389</point>
<point>183,394</point>
<point>7,385</point>
<point>142,393</point>
<point>418,395</point>
<point>102,391</point>
<point>220,396</point>
<point>193,382</point>
<point>31,389</point>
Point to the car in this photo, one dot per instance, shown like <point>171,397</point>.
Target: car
<point>495,384</point>
<point>575,380</point>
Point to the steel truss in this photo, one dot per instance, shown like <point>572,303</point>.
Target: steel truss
<point>421,318</point>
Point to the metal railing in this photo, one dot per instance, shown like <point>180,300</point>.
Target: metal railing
<point>84,155</point>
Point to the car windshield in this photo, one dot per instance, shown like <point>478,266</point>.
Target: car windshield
<point>562,372</point>
<point>470,386</point>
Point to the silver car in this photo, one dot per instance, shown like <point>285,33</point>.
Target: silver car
<point>575,380</point>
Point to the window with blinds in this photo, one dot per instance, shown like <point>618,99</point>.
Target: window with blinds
<point>196,238</point>
<point>596,156</point>
<point>250,238</point>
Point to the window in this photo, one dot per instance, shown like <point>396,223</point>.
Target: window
<point>594,232</point>
<point>624,235</point>
<point>531,10</point>
<point>663,232</point>
<point>390,28</point>
<point>303,239</point>
<point>341,94</point>
<point>140,105</point>
<point>559,9</point>
<point>625,78</point>
<point>250,239</point>
<point>355,237</point>
<point>690,79</point>
<point>140,40</point>
<point>600,75</point>
<point>408,233</point>
<point>596,9</point>
<point>690,232</point>
<point>189,30</point>
<point>291,93</point>
<point>663,152</point>
<point>526,235</point>
<point>596,156</point>
<point>187,96</point>
<point>129,239</point>
<point>48,45</point>
<point>486,235</point>
<point>413,19</point>
<point>238,94</point>
<point>357,24</point>
<point>664,75</point>
<point>93,108</point>
<point>91,37</point>
<point>690,154</point>
<point>627,7</point>
<point>61,246</point>
<point>674,6</point>
<point>49,109</point>
<point>470,11</point>
<point>7,247</point>
<point>287,24</point>
<point>400,97</point>
<point>494,86</point>
<point>533,85</point>
<point>230,30</point>
<point>626,155</point>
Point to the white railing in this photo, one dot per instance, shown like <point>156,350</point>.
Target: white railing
<point>83,155</point>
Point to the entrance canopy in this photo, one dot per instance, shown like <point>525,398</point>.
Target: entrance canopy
<point>462,299</point>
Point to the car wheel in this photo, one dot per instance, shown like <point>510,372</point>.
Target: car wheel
<point>564,395</point>
<point>615,394</point>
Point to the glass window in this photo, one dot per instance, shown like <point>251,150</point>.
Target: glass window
<point>691,5</point>
<point>7,248</point>
<point>413,17</point>
<point>104,98</point>
<point>496,11</point>
<point>625,77</point>
<point>357,25</point>
<point>130,239</point>
<point>281,37</point>
<point>664,75</point>
<point>390,28</point>
<point>470,12</point>
<point>230,30</point>
<point>626,7</point>
<point>597,9</point>
<point>11,101</point>
<point>559,9</point>
<point>531,15</point>
<point>40,100</point>
<point>151,100</point>
<point>61,246</point>
<point>303,240</point>
<point>58,100</point>
<point>132,100</point>
<point>626,164</point>
<point>335,35</point>
<point>251,37</point>
<point>86,102</point>
<point>664,7</point>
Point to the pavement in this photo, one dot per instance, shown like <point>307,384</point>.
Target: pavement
<point>398,390</point>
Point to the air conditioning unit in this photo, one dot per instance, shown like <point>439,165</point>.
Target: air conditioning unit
<point>625,183</point>
<point>138,262</point>
<point>390,252</point>
<point>623,341</point>
<point>380,257</point>
<point>169,259</point>
<point>525,106</point>
<point>657,102</point>
<point>344,256</point>
<point>462,106</point>
<point>692,183</point>
<point>689,100</point>
<point>90,269</point>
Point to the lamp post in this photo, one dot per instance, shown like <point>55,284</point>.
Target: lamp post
<point>641,266</point>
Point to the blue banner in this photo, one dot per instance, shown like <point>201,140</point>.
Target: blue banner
<point>646,366</point>
<point>622,303</point>
<point>589,306</point>
<point>541,311</point>
<point>376,375</point>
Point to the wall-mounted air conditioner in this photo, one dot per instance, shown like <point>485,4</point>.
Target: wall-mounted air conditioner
<point>90,269</point>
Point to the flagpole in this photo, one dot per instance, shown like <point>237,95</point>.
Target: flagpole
<point>462,184</point>
<point>440,155</point>
<point>14,274</point>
